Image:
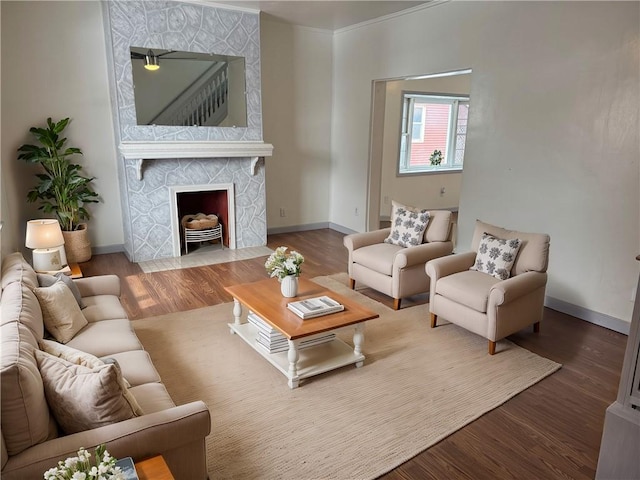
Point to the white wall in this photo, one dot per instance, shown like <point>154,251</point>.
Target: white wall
<point>553,140</point>
<point>296,66</point>
<point>54,65</point>
<point>417,190</point>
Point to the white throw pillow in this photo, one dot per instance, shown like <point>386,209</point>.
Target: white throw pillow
<point>496,255</point>
<point>407,225</point>
<point>60,311</point>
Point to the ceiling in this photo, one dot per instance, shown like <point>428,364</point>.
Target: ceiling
<point>325,14</point>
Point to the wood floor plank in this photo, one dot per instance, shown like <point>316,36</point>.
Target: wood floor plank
<point>551,430</point>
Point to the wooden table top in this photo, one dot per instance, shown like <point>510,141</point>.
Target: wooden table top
<point>154,468</point>
<point>265,300</point>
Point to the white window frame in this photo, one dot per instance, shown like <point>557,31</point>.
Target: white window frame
<point>406,133</point>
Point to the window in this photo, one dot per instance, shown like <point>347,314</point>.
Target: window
<point>433,123</point>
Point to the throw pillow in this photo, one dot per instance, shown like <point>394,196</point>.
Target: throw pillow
<point>72,355</point>
<point>46,280</point>
<point>83,398</point>
<point>496,255</point>
<point>60,311</point>
<point>407,225</point>
<point>77,357</point>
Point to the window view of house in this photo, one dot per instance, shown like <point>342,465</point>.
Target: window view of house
<point>434,130</point>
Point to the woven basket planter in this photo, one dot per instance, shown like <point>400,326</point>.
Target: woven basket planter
<point>77,245</point>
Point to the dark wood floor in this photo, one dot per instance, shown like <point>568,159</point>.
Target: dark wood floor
<point>551,430</point>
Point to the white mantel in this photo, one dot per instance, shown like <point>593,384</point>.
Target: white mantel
<point>157,150</point>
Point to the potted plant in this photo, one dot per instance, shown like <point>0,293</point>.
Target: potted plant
<point>436,157</point>
<point>61,189</point>
<point>286,266</point>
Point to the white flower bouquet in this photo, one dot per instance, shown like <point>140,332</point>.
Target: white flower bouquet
<point>282,263</point>
<point>80,467</point>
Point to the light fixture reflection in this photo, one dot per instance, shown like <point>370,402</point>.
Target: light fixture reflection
<point>151,61</point>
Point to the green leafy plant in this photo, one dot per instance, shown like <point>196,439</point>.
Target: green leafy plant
<point>436,157</point>
<point>62,189</point>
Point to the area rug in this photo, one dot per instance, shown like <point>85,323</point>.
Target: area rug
<point>206,255</point>
<point>418,385</point>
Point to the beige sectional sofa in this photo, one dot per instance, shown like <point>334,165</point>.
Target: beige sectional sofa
<point>32,440</point>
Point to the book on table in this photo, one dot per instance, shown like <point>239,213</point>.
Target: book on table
<point>273,341</point>
<point>315,307</point>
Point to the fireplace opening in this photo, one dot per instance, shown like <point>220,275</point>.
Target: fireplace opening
<point>211,202</point>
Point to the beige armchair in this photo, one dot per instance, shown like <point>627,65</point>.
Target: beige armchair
<point>481,302</point>
<point>394,270</point>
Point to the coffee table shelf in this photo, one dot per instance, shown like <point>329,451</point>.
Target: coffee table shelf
<point>311,360</point>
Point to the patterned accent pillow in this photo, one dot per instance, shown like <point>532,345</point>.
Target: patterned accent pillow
<point>496,255</point>
<point>407,225</point>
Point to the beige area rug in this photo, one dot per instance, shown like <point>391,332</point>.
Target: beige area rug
<point>205,255</point>
<point>418,385</point>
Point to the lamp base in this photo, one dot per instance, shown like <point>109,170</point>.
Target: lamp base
<point>47,260</point>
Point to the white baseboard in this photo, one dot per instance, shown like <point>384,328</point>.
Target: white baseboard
<point>597,318</point>
<point>107,249</point>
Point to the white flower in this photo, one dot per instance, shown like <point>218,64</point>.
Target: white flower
<point>51,474</point>
<point>79,476</point>
<point>71,462</point>
<point>280,263</point>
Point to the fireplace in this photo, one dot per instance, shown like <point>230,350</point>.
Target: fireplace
<point>218,199</point>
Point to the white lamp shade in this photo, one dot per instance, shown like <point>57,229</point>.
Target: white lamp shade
<point>44,233</point>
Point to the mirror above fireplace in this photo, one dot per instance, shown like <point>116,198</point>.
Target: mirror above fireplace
<point>188,89</point>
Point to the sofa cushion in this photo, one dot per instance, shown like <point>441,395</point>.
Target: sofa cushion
<point>378,257</point>
<point>16,269</point>
<point>106,338</point>
<point>19,304</point>
<point>136,366</point>
<point>407,225</point>
<point>469,288</point>
<point>83,398</point>
<point>46,280</point>
<point>152,397</point>
<point>103,307</point>
<point>496,256</point>
<point>60,311</point>
<point>25,414</point>
<point>439,226</point>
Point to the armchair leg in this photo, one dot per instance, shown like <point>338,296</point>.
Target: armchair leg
<point>536,327</point>
<point>434,319</point>
<point>492,347</point>
<point>396,303</point>
<point>352,283</point>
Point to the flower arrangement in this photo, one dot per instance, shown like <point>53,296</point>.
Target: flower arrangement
<point>80,468</point>
<point>436,157</point>
<point>281,264</point>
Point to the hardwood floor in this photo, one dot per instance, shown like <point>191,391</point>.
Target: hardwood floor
<point>551,430</point>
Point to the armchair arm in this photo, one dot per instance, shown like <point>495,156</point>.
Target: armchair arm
<point>141,437</point>
<point>441,267</point>
<point>359,240</point>
<point>513,288</point>
<point>99,285</point>
<point>421,254</point>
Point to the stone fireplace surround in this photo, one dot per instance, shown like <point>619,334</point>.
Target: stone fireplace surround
<point>155,160</point>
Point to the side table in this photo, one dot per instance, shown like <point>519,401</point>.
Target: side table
<point>154,468</point>
<point>75,270</point>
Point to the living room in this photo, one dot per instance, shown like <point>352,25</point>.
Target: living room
<point>552,144</point>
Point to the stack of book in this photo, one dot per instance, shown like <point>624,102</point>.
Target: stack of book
<point>315,307</point>
<point>273,341</point>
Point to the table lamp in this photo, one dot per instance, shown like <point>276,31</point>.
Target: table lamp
<point>45,237</point>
